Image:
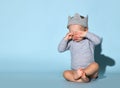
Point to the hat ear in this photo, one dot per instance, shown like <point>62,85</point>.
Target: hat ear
<point>86,20</point>
<point>87,17</point>
<point>77,15</point>
<point>69,18</point>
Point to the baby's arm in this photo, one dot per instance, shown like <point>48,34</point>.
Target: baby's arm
<point>93,38</point>
<point>65,43</point>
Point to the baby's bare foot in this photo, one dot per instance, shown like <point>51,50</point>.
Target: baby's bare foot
<point>78,74</point>
<point>85,78</point>
<point>94,76</point>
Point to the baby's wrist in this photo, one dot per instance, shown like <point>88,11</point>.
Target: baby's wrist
<point>66,38</point>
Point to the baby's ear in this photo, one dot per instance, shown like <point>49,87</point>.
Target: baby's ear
<point>86,29</point>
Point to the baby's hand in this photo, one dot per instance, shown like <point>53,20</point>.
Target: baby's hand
<point>68,36</point>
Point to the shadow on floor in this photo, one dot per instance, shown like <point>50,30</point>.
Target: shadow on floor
<point>102,60</point>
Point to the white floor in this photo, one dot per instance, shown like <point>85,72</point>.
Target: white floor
<point>54,80</point>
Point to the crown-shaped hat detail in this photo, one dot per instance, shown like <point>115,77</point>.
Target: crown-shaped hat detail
<point>78,19</point>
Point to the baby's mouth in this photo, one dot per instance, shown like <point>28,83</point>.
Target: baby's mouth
<point>75,39</point>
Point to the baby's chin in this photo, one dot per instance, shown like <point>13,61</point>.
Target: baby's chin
<point>77,40</point>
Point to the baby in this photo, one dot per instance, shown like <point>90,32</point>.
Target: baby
<point>81,44</point>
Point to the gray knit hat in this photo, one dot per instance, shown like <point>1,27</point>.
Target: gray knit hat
<point>77,19</point>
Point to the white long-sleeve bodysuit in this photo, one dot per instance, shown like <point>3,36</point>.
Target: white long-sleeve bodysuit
<point>82,53</point>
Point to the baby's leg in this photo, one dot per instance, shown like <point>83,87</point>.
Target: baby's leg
<point>73,76</point>
<point>92,69</point>
<point>69,75</point>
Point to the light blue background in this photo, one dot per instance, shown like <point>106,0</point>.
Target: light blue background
<point>30,31</point>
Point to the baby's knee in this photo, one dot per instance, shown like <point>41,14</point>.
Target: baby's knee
<point>96,65</point>
<point>66,75</point>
